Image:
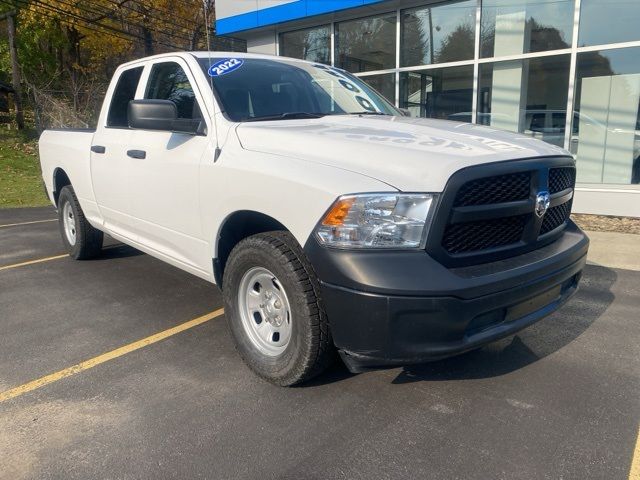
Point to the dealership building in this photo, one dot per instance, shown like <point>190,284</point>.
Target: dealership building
<point>518,65</point>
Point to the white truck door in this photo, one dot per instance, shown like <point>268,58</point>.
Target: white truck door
<point>165,182</point>
<point>109,161</point>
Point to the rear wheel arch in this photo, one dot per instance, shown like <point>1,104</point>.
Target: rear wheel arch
<point>79,237</point>
<point>60,180</point>
<point>235,228</point>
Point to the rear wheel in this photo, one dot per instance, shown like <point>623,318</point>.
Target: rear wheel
<point>81,240</point>
<point>274,310</point>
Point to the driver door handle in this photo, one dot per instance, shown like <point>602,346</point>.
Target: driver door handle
<point>98,149</point>
<point>139,154</point>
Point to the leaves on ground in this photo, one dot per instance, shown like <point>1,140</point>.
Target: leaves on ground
<point>602,223</point>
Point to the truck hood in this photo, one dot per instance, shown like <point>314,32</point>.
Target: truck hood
<point>410,154</point>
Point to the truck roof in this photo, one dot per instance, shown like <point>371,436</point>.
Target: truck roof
<point>212,54</point>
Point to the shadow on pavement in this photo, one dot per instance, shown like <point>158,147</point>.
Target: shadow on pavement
<point>117,251</point>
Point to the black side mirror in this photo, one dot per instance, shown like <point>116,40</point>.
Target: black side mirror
<point>161,115</point>
<point>152,114</point>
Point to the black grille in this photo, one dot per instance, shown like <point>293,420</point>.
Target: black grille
<point>487,212</point>
<point>498,189</point>
<point>561,179</point>
<point>481,235</point>
<point>555,217</point>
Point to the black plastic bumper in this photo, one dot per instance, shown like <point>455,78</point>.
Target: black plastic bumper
<point>399,308</point>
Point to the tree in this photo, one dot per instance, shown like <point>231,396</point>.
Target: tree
<point>458,45</point>
<point>68,49</point>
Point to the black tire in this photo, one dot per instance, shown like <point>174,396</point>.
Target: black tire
<point>310,348</point>
<point>88,240</point>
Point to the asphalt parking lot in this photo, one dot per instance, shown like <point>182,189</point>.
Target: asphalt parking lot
<point>559,400</point>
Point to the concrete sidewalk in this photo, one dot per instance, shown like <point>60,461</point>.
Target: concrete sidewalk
<point>615,250</point>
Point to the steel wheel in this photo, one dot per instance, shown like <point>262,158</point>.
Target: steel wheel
<point>265,311</point>
<point>69,222</point>
<point>273,309</point>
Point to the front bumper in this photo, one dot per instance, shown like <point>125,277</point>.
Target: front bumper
<point>400,308</point>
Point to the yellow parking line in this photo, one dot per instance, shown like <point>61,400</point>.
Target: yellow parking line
<point>27,223</point>
<point>105,357</point>
<point>48,259</point>
<point>634,473</point>
<point>33,262</point>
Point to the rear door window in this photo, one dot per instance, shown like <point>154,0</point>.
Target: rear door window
<point>125,91</point>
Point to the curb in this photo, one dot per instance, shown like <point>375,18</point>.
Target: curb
<point>614,250</point>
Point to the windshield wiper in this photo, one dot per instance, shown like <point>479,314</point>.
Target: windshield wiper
<point>368,112</point>
<point>284,116</point>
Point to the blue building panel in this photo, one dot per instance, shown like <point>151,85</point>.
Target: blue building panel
<point>294,10</point>
<point>282,13</point>
<point>317,7</point>
<point>245,21</point>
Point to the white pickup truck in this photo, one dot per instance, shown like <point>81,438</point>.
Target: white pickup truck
<point>330,221</point>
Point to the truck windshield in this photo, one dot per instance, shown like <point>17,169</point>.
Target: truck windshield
<point>252,89</point>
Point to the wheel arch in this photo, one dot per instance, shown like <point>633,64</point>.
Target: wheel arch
<point>60,180</point>
<point>236,227</point>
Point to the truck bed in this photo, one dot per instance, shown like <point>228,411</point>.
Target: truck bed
<point>69,150</point>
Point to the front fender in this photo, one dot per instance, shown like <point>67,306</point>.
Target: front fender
<point>293,192</point>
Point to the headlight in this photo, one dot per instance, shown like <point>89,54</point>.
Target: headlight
<point>376,221</point>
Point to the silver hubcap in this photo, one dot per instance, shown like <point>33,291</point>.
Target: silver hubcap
<point>69,222</point>
<point>265,311</point>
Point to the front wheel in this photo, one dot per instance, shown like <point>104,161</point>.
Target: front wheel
<point>274,310</point>
<point>79,237</point>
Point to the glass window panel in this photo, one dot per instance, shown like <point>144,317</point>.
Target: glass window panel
<point>511,27</point>
<point>610,21</point>
<point>312,44</point>
<point>366,44</point>
<point>445,93</point>
<point>526,96</point>
<point>606,124</point>
<point>443,33</point>
<point>265,88</point>
<point>125,91</point>
<point>168,81</point>
<point>384,84</point>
